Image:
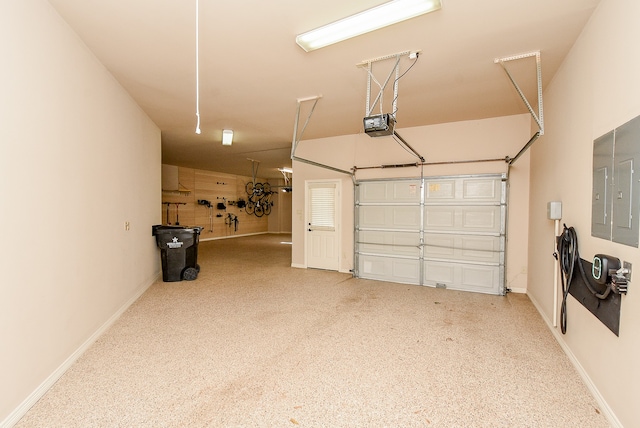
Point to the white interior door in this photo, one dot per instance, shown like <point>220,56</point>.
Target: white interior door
<point>322,248</point>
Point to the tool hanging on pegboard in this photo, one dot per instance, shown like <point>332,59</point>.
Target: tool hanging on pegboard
<point>208,204</point>
<point>168,204</point>
<point>222,205</point>
<point>232,220</point>
<point>177,204</point>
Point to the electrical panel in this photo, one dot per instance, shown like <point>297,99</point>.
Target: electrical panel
<point>601,194</point>
<point>615,207</point>
<point>626,196</point>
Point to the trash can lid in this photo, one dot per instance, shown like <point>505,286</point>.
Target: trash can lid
<point>162,229</point>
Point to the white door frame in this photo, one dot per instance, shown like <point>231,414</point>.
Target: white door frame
<point>338,218</point>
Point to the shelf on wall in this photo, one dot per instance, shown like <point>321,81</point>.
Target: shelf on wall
<point>181,190</point>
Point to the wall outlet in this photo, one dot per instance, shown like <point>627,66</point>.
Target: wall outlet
<point>127,226</point>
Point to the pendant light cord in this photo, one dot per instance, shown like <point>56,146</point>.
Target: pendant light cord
<point>197,68</point>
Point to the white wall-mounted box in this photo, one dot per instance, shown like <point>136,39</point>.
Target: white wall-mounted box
<point>554,210</point>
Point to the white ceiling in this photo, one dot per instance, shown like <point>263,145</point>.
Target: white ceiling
<point>252,72</point>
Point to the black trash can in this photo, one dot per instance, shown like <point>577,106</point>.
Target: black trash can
<point>178,251</point>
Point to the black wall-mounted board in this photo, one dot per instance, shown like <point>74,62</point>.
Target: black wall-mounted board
<point>607,310</point>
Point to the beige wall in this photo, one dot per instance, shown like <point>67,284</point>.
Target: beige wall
<point>78,159</point>
<point>595,91</point>
<point>280,218</point>
<point>493,138</point>
<point>213,187</point>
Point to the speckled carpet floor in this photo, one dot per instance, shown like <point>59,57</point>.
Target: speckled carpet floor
<point>255,343</point>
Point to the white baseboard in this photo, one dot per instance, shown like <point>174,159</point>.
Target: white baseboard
<point>33,398</point>
<point>604,406</point>
<point>519,290</point>
<point>303,266</point>
<point>231,236</point>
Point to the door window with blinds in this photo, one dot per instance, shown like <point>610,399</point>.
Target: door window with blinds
<point>322,207</point>
<point>446,232</point>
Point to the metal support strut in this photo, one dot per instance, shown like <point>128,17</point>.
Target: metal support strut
<point>297,137</point>
<point>403,141</point>
<point>539,118</point>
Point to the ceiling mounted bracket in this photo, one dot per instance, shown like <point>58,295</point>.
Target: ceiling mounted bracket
<point>539,118</point>
<point>286,175</point>
<point>368,64</point>
<point>255,164</point>
<point>297,137</point>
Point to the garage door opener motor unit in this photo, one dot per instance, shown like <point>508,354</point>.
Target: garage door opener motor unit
<point>379,125</point>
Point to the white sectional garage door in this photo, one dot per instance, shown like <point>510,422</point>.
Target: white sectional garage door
<point>444,232</point>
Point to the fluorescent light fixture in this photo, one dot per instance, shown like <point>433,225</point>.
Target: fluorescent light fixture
<point>227,137</point>
<point>372,19</point>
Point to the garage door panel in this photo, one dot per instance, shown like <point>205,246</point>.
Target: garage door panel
<point>390,217</point>
<point>390,192</point>
<point>388,242</point>
<point>439,246</point>
<point>481,218</point>
<point>373,217</point>
<point>406,271</point>
<point>482,279</point>
<point>441,190</point>
<point>481,248</point>
<point>406,217</point>
<point>406,191</point>
<point>439,273</point>
<point>470,248</point>
<point>463,277</point>
<point>439,218</point>
<point>373,192</point>
<point>481,189</point>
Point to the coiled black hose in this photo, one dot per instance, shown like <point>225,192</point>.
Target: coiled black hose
<point>568,256</point>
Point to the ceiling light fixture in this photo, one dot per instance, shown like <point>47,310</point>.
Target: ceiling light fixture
<point>227,137</point>
<point>369,20</point>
